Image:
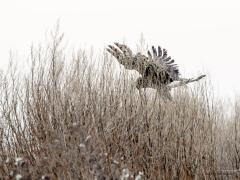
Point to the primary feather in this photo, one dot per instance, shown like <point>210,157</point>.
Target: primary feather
<point>158,70</point>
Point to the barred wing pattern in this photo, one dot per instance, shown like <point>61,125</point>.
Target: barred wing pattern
<point>157,67</point>
<point>125,57</point>
<point>161,58</point>
<point>158,70</point>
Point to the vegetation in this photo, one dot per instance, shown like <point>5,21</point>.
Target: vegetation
<point>79,117</point>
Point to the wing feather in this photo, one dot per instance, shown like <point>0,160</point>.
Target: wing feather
<point>159,51</point>
<point>170,61</point>
<point>149,55</point>
<point>116,53</point>
<point>158,60</point>
<point>154,52</point>
<point>165,62</point>
<point>164,54</point>
<point>126,50</point>
<point>125,57</point>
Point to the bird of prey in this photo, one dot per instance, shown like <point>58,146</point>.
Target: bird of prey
<point>157,69</point>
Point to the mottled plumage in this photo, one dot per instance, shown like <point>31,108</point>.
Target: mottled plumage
<point>157,69</point>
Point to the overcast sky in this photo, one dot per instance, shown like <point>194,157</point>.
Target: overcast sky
<point>202,36</point>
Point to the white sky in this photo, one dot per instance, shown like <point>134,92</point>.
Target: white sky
<point>202,36</point>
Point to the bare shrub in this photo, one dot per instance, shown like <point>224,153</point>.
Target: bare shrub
<point>78,117</point>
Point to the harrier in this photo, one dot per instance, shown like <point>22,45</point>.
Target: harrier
<point>157,69</point>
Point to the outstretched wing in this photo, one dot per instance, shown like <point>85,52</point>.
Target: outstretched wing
<point>157,62</point>
<point>125,56</point>
<point>165,62</point>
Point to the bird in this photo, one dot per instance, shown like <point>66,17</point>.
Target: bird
<point>157,69</point>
